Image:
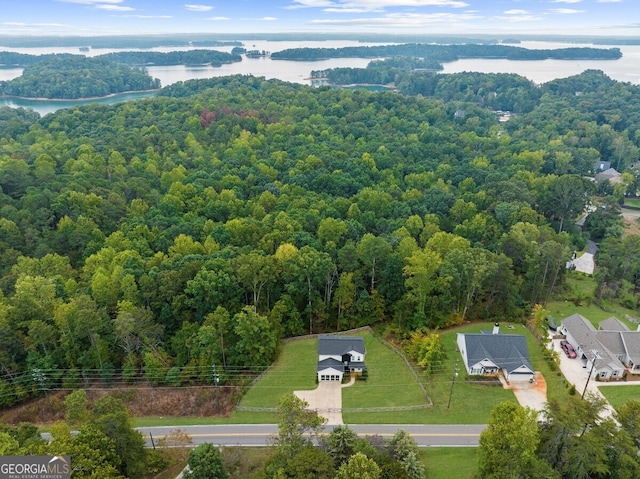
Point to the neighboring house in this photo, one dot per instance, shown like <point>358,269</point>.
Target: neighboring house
<point>338,355</point>
<point>492,353</point>
<point>610,175</point>
<point>613,346</point>
<point>602,165</point>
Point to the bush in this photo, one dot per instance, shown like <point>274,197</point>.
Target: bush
<point>173,377</point>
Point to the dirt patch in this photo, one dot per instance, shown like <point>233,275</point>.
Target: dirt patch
<point>167,402</point>
<point>631,226</point>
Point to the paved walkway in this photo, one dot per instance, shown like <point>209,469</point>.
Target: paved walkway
<point>326,400</point>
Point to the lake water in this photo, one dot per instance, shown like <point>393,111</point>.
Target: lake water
<point>625,69</point>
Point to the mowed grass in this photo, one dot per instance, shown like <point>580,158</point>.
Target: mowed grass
<point>471,403</point>
<point>584,286</point>
<point>618,395</point>
<point>390,384</point>
<point>294,370</point>
<point>449,462</point>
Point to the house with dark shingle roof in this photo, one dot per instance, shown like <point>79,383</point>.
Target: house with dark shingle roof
<point>613,346</point>
<point>494,353</point>
<point>338,355</point>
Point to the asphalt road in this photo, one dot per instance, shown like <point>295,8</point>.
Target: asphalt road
<point>465,435</point>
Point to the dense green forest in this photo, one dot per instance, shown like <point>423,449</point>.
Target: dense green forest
<point>155,238</point>
<point>70,77</point>
<point>189,57</point>
<point>448,53</point>
<point>132,58</point>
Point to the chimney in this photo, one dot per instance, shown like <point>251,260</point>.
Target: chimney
<point>496,328</point>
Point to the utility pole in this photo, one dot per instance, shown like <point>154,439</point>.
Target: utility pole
<point>453,381</point>
<point>593,365</point>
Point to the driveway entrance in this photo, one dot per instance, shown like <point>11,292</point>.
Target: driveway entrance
<point>326,400</point>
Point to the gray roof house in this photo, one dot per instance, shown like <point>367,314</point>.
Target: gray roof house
<point>610,175</point>
<point>494,353</point>
<point>613,346</point>
<point>338,355</point>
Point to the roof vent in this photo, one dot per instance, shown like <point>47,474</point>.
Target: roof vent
<point>496,328</point>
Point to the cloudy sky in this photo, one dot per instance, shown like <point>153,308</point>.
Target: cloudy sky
<point>104,17</point>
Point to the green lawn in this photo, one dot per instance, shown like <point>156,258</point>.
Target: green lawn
<point>294,370</point>
<point>440,462</point>
<point>618,395</point>
<point>390,384</point>
<point>583,287</point>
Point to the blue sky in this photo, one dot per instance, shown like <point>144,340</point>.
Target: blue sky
<point>107,17</point>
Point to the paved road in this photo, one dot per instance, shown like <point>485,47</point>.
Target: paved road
<point>259,434</point>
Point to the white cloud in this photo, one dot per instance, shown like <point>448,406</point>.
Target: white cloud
<point>348,10</point>
<point>519,18</point>
<point>197,8</point>
<point>373,5</point>
<point>115,8</point>
<point>34,25</point>
<point>268,19</point>
<point>403,20</point>
<point>566,1</point>
<point>91,2</point>
<point>517,12</point>
<point>218,19</point>
<point>146,16</point>
<point>609,1</point>
<point>566,11</point>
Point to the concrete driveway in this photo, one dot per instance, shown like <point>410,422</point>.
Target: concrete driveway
<point>531,395</point>
<point>326,400</point>
<point>576,373</point>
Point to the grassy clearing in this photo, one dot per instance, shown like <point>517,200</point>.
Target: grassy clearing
<point>618,395</point>
<point>579,300</point>
<point>156,421</point>
<point>294,370</point>
<point>390,384</point>
<point>440,462</point>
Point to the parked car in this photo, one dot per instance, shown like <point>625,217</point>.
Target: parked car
<point>568,349</point>
<point>551,322</point>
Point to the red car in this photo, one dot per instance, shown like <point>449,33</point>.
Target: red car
<point>568,349</point>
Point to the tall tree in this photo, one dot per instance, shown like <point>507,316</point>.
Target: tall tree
<point>205,462</point>
<point>297,425</point>
<point>565,197</point>
<point>508,446</point>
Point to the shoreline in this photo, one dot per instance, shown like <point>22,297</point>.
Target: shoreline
<point>83,99</point>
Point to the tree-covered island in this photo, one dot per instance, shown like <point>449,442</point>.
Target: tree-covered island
<point>65,76</point>
<point>448,53</point>
<point>73,77</point>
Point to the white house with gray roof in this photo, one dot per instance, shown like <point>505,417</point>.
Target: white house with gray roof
<point>613,346</point>
<point>492,353</point>
<point>338,355</point>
